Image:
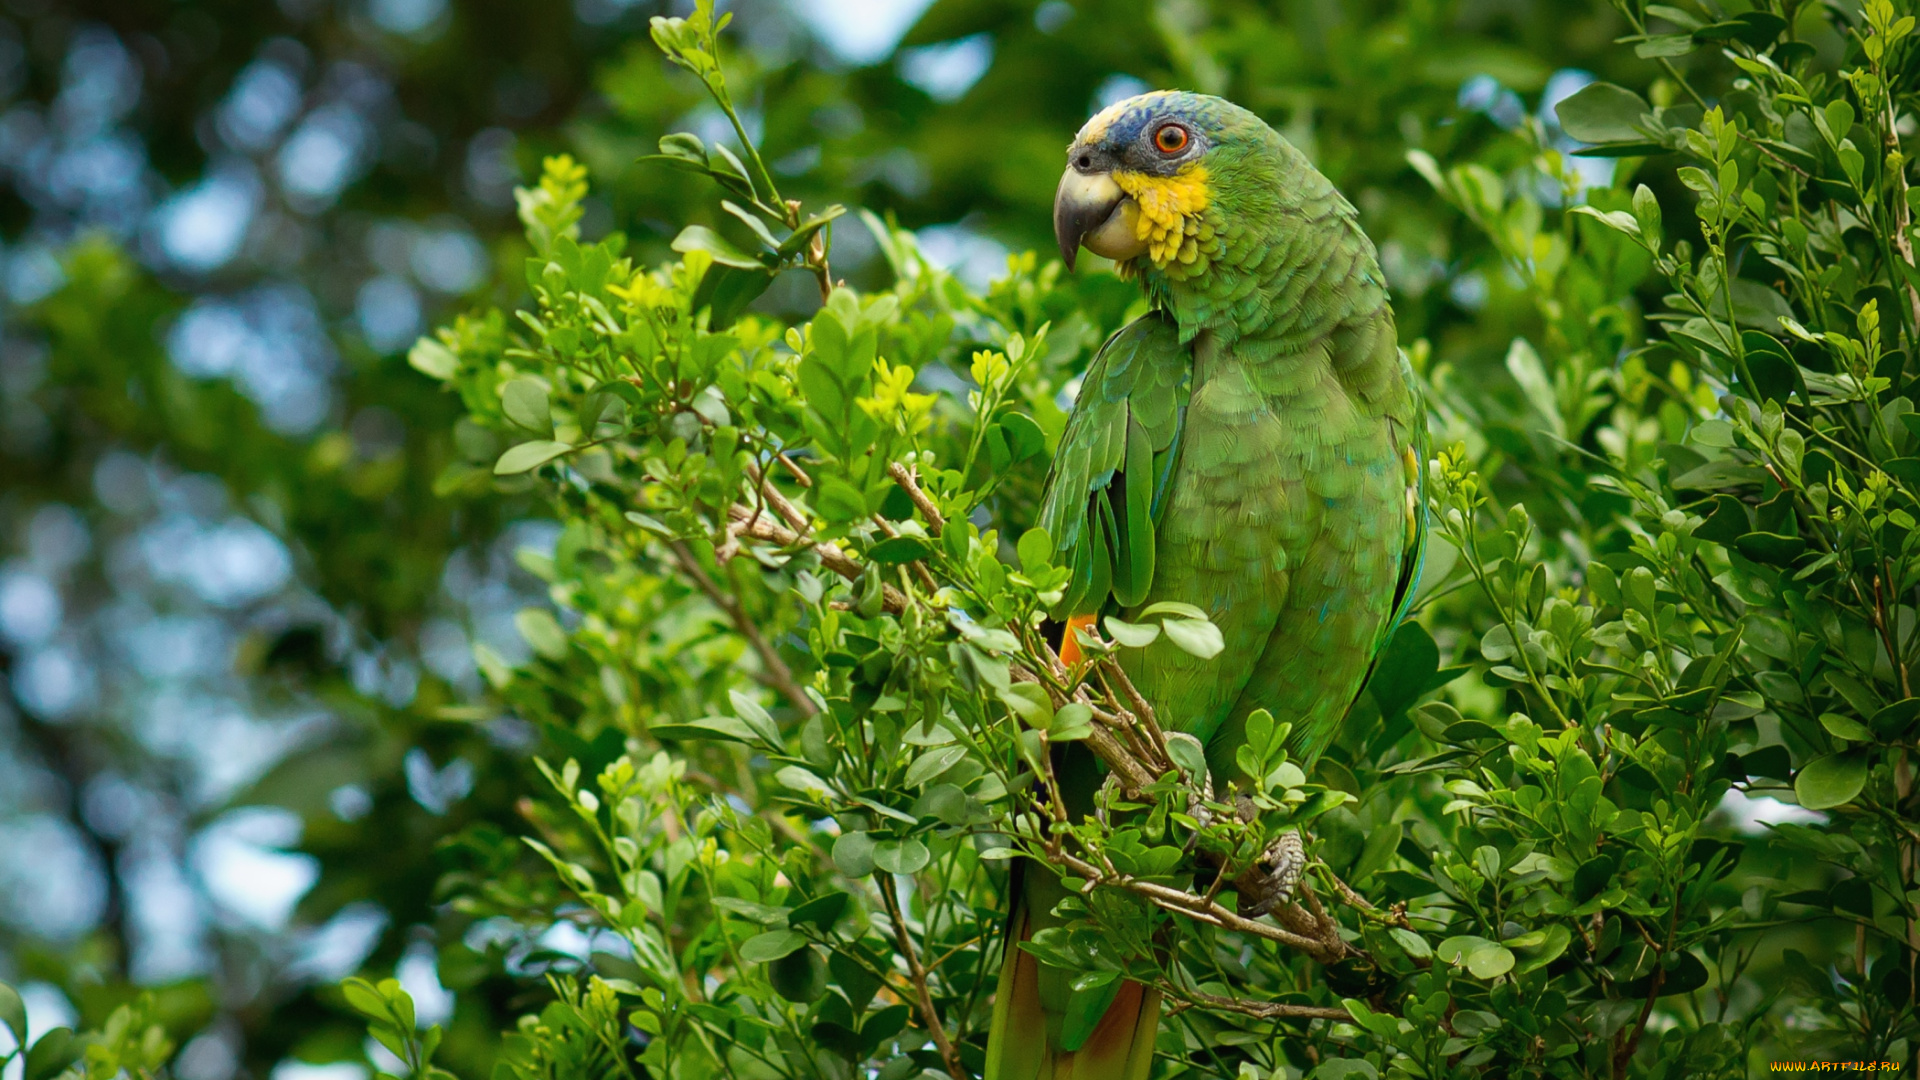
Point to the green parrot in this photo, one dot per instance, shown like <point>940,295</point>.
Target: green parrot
<point>1254,446</point>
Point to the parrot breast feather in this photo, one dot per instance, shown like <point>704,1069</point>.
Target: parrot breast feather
<point>1109,474</point>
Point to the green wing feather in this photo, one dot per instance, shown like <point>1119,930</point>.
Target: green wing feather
<point>1110,471</point>
<point>1418,443</point>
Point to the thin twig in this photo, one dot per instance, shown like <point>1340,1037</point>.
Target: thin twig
<point>830,555</point>
<point>799,474</point>
<point>1266,1010</point>
<point>1198,907</point>
<point>904,477</point>
<point>1346,892</point>
<point>1142,711</point>
<point>774,671</point>
<point>1133,775</point>
<point>929,1018</point>
<point>788,512</point>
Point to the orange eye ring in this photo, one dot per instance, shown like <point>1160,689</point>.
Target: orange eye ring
<point>1170,139</point>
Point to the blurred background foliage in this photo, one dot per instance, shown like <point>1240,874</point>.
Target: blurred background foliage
<point>243,580</point>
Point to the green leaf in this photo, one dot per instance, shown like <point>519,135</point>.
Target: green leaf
<point>725,291</point>
<point>755,717</point>
<point>1757,29</point>
<point>1602,113</point>
<point>1073,722</point>
<point>1035,550</point>
<point>800,976</point>
<point>1196,636</point>
<point>900,549</point>
<point>1187,753</point>
<point>764,914</point>
<point>1132,635</point>
<point>838,501</point>
<point>907,856</point>
<point>1171,607</point>
<point>13,1013</point>
<point>1485,959</point>
<point>1404,668</point>
<point>821,911</point>
<point>853,854</point>
<point>1845,727</point>
<point>1834,780</point>
<point>684,146</point>
<point>771,945</point>
<point>1771,548</point>
<point>932,763</point>
<point>529,455</point>
<point>1524,364</point>
<point>432,359</point>
<point>1542,947</point>
<point>1344,1069</point>
<point>701,238</point>
<point>525,403</point>
<point>51,1055</point>
<point>1646,210</point>
<point>717,728</point>
<point>752,222</point>
<point>1031,703</point>
<point>799,238</point>
<point>802,780</point>
<point>1665,45</point>
<point>542,631</point>
<point>1415,945</point>
<point>1025,440</point>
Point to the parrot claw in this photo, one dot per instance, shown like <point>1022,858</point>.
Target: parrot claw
<point>1274,877</point>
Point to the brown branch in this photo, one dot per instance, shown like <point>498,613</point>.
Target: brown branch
<point>774,671</point>
<point>1266,1010</point>
<point>799,474</point>
<point>788,512</point>
<point>1347,894</point>
<point>830,555</point>
<point>929,1018</point>
<point>1133,775</point>
<point>1142,711</point>
<point>1210,912</point>
<point>904,477</point>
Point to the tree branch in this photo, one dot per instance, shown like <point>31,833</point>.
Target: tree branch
<point>1325,951</point>
<point>759,528</point>
<point>929,1017</point>
<point>905,478</point>
<point>1266,1010</point>
<point>774,671</point>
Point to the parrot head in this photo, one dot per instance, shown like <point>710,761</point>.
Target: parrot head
<point>1155,176</point>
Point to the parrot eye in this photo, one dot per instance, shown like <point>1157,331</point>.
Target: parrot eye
<point>1170,139</point>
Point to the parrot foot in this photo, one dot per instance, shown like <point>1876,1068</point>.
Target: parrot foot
<point>1272,880</point>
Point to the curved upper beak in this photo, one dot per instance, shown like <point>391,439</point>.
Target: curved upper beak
<point>1091,210</point>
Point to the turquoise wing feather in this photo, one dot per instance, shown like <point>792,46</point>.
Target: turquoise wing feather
<point>1110,472</point>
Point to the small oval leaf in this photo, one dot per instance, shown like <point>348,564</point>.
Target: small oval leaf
<point>529,455</point>
<point>1831,781</point>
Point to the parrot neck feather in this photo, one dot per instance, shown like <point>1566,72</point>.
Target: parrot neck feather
<point>1284,259</point>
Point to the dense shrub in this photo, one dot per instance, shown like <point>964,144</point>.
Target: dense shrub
<point>797,696</point>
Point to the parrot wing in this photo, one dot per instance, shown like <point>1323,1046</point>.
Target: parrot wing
<point>1414,444</point>
<point>1106,488</point>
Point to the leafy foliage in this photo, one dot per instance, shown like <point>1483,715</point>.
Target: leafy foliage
<point>1534,884</point>
<point>797,708</point>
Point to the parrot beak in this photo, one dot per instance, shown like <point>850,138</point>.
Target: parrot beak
<point>1090,210</point>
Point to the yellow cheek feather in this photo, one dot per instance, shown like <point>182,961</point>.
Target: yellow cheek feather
<point>1172,213</point>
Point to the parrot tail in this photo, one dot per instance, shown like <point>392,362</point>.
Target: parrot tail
<point>1043,1029</point>
<point>1070,653</point>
